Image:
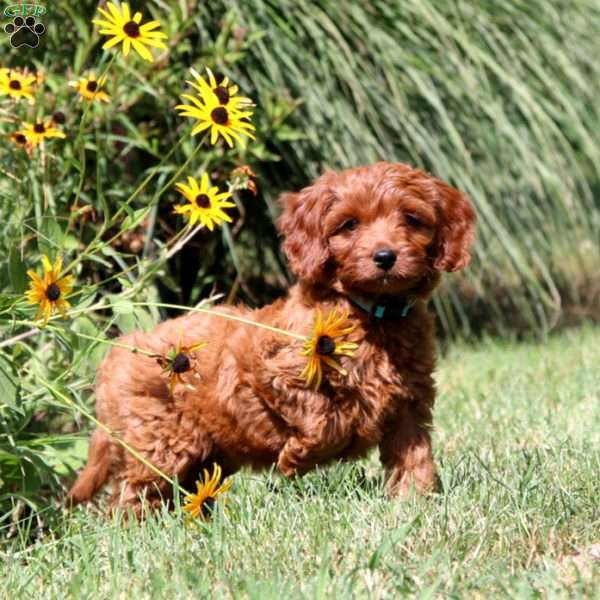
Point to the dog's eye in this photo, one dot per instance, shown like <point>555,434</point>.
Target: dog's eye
<point>349,225</point>
<point>413,221</point>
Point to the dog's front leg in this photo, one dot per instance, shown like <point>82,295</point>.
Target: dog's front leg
<point>406,453</point>
<point>314,442</point>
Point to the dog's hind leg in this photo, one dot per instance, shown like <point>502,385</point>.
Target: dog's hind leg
<point>174,451</point>
<point>96,471</point>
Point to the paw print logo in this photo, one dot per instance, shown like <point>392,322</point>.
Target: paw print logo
<point>25,32</point>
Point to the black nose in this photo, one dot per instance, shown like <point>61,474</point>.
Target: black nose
<point>384,259</point>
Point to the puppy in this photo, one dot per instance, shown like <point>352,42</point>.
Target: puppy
<point>371,241</point>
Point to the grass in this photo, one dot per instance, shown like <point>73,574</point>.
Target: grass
<point>517,443</point>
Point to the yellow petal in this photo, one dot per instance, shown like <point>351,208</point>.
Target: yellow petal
<point>113,42</point>
<point>105,24</point>
<point>195,188</point>
<point>57,266</point>
<point>211,78</point>
<point>200,127</point>
<point>195,100</point>
<point>149,26</point>
<point>142,50</point>
<point>204,183</point>
<point>184,189</point>
<point>46,263</point>
<point>155,35</point>
<point>150,41</point>
<point>116,13</point>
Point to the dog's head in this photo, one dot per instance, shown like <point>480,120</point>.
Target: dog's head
<point>382,230</point>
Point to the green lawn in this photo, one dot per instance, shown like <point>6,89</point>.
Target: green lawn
<point>518,445</point>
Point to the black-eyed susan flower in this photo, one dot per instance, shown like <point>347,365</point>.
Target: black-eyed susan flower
<point>59,117</point>
<point>205,203</point>
<point>218,87</point>
<point>90,88</point>
<point>17,85</point>
<point>178,360</point>
<point>206,492</point>
<point>324,344</point>
<point>50,291</point>
<point>122,27</point>
<point>20,139</point>
<point>217,110</point>
<point>37,132</point>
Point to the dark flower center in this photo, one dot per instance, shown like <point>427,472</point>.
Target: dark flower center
<point>92,86</point>
<point>325,345</point>
<point>222,94</point>
<point>20,138</point>
<point>220,115</point>
<point>53,292</point>
<point>59,117</point>
<point>132,29</point>
<point>14,84</point>
<point>203,201</point>
<point>181,363</point>
<point>39,128</point>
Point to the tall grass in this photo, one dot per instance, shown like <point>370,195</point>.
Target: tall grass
<point>500,98</point>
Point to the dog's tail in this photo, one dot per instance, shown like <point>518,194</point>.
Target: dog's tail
<point>96,472</point>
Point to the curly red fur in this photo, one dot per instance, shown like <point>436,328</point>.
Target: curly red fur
<point>244,403</point>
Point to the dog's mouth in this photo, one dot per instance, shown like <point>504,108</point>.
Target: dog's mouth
<point>366,279</point>
<point>385,284</point>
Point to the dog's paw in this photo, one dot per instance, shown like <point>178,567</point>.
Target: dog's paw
<point>25,32</point>
<point>286,467</point>
<point>294,459</point>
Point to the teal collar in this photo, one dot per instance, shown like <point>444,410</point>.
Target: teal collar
<point>384,311</point>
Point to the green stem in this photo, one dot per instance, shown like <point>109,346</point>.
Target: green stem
<point>208,311</point>
<point>161,191</point>
<point>107,224</point>
<point>133,349</point>
<point>81,143</point>
<point>216,313</point>
<point>149,178</point>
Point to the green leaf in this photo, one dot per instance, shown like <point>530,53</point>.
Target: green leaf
<point>7,301</point>
<point>50,237</point>
<point>17,270</point>
<point>70,242</point>
<point>289,134</point>
<point>389,542</point>
<point>134,218</point>
<point>121,307</point>
<point>9,386</point>
<point>126,322</point>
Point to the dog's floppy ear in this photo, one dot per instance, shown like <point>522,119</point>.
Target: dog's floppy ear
<point>456,228</point>
<point>301,224</point>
